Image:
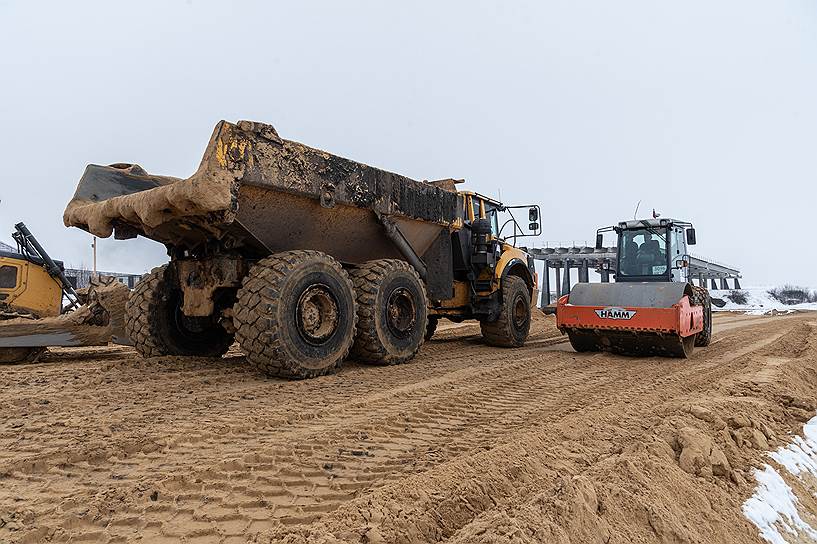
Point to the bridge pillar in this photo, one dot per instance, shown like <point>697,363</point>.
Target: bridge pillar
<point>566,279</point>
<point>701,280</point>
<point>545,286</point>
<point>737,283</point>
<point>724,285</point>
<point>605,273</point>
<point>714,284</point>
<point>557,267</point>
<point>584,273</point>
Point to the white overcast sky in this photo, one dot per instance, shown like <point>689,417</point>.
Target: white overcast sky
<point>703,110</point>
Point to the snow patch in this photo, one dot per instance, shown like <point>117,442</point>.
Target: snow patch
<point>801,455</point>
<point>758,302</point>
<point>773,506</point>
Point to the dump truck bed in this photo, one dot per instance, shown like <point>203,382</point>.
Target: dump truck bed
<point>259,194</point>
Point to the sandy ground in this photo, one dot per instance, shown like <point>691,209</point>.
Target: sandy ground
<point>465,444</point>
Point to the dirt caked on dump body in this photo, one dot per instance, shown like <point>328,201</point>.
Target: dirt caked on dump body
<point>251,187</point>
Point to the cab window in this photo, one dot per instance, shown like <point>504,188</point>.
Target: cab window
<point>492,213</point>
<point>680,242</point>
<point>477,203</point>
<point>8,277</point>
<point>643,252</point>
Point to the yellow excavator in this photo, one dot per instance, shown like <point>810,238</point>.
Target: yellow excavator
<point>33,317</point>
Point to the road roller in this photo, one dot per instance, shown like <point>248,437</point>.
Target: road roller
<point>652,308</point>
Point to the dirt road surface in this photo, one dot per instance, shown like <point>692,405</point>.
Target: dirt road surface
<point>465,444</point>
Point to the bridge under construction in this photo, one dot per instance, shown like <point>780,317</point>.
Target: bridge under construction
<point>563,260</point>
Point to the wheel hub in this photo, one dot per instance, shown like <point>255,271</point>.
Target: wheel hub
<point>317,313</point>
<point>520,314</point>
<point>401,312</point>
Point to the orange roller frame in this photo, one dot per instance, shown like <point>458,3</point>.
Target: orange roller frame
<point>682,318</point>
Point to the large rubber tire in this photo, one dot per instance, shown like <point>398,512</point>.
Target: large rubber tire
<point>392,311</point>
<point>431,328</point>
<point>702,298</point>
<point>155,324</point>
<point>295,314</point>
<point>512,327</point>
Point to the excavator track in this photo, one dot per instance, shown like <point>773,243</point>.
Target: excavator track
<point>18,355</point>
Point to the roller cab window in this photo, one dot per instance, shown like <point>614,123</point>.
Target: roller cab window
<point>643,252</point>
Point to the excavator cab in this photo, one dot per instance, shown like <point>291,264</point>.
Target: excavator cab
<point>652,309</point>
<point>33,287</point>
<point>26,288</point>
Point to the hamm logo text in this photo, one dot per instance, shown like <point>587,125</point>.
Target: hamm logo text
<point>615,313</point>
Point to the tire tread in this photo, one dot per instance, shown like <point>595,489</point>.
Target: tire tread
<point>366,278</point>
<point>499,333</point>
<point>258,298</point>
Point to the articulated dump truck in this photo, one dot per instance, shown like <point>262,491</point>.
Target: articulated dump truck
<point>303,256</point>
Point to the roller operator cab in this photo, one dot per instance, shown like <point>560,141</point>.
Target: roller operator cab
<point>652,250</point>
<point>653,308</point>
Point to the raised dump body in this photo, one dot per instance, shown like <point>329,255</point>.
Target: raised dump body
<point>302,256</point>
<point>251,187</point>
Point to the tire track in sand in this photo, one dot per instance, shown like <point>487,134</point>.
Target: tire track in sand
<point>343,437</point>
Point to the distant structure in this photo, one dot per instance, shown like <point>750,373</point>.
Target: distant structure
<point>5,247</point>
<point>80,278</point>
<point>562,260</point>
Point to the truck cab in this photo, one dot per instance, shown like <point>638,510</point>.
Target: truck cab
<point>484,252</point>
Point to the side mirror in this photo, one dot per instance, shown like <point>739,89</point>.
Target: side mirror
<point>691,236</point>
<point>533,215</point>
<point>533,227</point>
<point>599,241</point>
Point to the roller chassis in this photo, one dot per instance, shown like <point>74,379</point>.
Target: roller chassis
<point>682,318</point>
<point>667,330</point>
